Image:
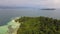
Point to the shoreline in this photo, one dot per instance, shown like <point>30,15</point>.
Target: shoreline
<point>14,26</point>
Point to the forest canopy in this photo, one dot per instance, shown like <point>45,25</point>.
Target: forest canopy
<point>38,25</point>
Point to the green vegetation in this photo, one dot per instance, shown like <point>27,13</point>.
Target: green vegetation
<point>38,25</point>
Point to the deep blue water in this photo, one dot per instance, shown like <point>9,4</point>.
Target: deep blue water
<point>7,14</point>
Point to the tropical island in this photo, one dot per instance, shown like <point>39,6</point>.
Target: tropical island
<point>38,25</point>
<point>32,25</point>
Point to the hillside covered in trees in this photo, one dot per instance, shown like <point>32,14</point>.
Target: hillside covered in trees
<point>38,25</point>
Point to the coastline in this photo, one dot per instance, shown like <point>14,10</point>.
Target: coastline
<point>14,25</point>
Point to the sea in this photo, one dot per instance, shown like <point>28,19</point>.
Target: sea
<point>6,15</point>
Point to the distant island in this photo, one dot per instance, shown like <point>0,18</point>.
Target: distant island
<point>48,9</point>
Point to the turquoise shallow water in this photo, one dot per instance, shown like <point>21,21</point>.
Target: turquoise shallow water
<point>4,29</point>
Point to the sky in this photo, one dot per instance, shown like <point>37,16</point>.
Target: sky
<point>31,3</point>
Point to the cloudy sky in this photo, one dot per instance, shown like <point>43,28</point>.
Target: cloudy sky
<point>39,3</point>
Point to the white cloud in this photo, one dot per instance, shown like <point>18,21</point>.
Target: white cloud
<point>48,3</point>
